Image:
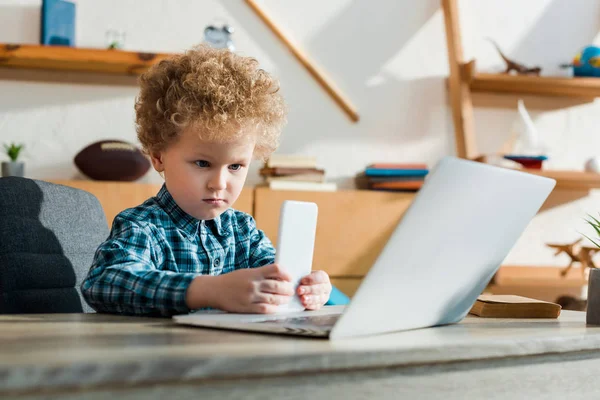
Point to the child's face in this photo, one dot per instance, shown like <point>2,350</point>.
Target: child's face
<point>204,178</point>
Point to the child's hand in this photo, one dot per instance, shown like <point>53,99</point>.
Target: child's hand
<point>314,290</point>
<point>256,290</point>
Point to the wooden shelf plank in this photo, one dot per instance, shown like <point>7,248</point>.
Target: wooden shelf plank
<point>571,180</point>
<point>460,96</point>
<point>77,59</point>
<point>547,275</point>
<point>537,85</point>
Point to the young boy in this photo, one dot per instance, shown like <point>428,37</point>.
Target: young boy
<point>201,117</point>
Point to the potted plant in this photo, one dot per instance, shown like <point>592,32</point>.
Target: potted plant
<point>13,167</point>
<point>593,295</point>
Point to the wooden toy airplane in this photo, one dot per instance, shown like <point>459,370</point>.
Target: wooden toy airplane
<point>580,254</point>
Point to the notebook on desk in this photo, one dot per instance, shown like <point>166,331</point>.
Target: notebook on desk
<point>440,257</point>
<point>511,306</point>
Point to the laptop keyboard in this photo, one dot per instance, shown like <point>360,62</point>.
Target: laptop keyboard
<point>322,321</point>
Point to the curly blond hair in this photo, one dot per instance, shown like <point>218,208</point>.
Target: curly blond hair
<point>213,90</point>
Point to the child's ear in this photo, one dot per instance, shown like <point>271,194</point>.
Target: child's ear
<point>157,161</point>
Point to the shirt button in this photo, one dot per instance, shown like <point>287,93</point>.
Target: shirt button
<point>217,262</point>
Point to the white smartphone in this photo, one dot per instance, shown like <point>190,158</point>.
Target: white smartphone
<point>295,244</point>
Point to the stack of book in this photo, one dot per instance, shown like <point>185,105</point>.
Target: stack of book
<point>291,172</point>
<point>404,177</point>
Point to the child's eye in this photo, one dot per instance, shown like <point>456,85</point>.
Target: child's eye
<point>202,163</point>
<point>235,167</point>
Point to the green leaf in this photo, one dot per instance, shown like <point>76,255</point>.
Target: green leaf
<point>597,230</point>
<point>596,225</point>
<point>595,220</point>
<point>13,150</point>
<point>596,244</point>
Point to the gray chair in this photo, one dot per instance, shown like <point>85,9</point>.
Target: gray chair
<point>48,236</point>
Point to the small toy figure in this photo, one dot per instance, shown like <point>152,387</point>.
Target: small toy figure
<point>587,62</point>
<point>515,66</point>
<point>581,254</point>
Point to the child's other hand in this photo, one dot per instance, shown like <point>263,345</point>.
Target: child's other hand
<point>314,290</point>
<point>256,290</point>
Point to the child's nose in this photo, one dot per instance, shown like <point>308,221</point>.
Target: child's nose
<point>218,181</point>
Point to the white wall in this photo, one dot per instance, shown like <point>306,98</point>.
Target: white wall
<point>387,56</point>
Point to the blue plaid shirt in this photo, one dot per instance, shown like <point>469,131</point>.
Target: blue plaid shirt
<point>155,250</point>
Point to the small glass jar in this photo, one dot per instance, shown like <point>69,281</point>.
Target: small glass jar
<point>115,39</point>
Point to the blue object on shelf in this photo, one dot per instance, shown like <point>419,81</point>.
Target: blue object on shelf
<point>395,172</point>
<point>518,157</point>
<point>337,298</point>
<point>58,23</point>
<point>587,62</point>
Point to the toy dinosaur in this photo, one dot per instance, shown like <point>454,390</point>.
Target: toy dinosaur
<point>581,254</point>
<point>513,65</point>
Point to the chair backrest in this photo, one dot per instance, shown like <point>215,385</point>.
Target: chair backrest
<point>48,236</point>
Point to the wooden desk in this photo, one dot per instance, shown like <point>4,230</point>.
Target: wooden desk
<point>90,356</point>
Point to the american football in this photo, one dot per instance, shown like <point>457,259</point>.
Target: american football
<point>112,160</point>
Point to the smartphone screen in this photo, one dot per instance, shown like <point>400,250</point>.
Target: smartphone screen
<point>295,244</point>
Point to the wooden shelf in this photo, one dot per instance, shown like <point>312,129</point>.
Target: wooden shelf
<point>77,59</point>
<point>570,180</point>
<point>536,85</point>
<point>539,282</point>
<point>547,275</point>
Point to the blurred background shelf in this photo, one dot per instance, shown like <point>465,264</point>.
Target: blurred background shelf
<point>536,85</point>
<point>570,180</point>
<point>62,58</point>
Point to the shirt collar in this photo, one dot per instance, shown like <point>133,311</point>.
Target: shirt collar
<point>218,224</point>
<point>181,219</point>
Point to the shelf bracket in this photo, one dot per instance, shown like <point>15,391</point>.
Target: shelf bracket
<point>324,82</point>
<point>460,95</point>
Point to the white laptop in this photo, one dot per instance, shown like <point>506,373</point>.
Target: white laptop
<point>449,244</point>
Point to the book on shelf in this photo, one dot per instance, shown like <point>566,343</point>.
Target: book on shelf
<point>389,183</point>
<point>302,186</point>
<point>397,185</point>
<point>291,161</point>
<point>281,171</point>
<point>378,179</point>
<point>510,306</point>
<point>395,172</point>
<point>397,166</point>
<point>297,178</point>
